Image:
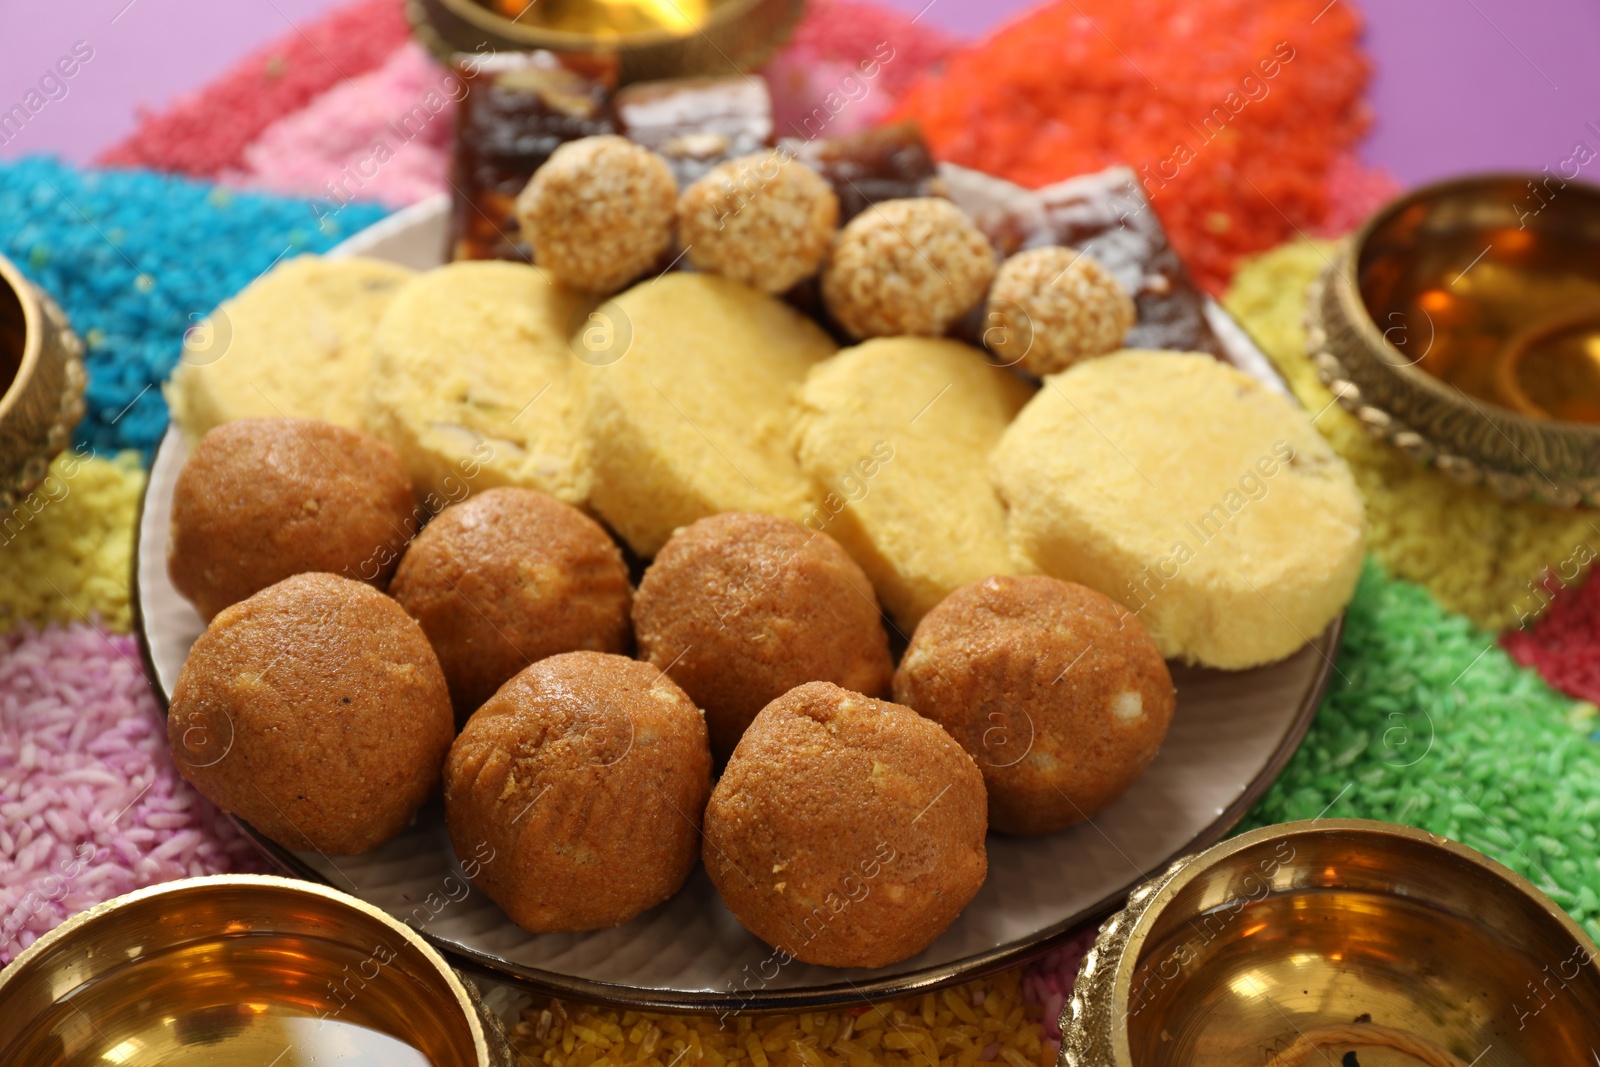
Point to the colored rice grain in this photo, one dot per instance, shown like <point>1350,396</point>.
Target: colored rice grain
<point>1231,111</point>
<point>1427,723</point>
<point>205,134</point>
<point>1048,980</point>
<point>382,136</point>
<point>1355,191</point>
<point>1564,646</point>
<point>136,259</point>
<point>90,805</point>
<point>66,553</point>
<point>985,1021</point>
<point>846,66</point>
<point>1477,554</point>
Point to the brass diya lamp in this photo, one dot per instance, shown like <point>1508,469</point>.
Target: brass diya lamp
<point>41,385</point>
<point>245,969</point>
<point>1336,941</point>
<point>1462,323</point>
<point>639,39</point>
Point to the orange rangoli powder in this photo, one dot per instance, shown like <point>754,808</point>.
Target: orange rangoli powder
<point>1231,111</point>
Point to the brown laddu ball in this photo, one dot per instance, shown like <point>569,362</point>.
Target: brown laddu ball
<point>1057,691</point>
<point>739,609</point>
<point>509,577</point>
<point>579,788</point>
<point>316,711</point>
<point>846,831</point>
<point>262,499</point>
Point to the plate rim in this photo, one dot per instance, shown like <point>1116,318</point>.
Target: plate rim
<point>926,979</point>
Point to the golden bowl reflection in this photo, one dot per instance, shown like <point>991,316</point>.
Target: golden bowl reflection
<point>1303,943</point>
<point>642,39</point>
<point>614,18</point>
<point>1466,283</point>
<point>1551,370</point>
<point>239,969</point>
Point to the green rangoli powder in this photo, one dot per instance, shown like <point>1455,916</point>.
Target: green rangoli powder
<point>1429,723</point>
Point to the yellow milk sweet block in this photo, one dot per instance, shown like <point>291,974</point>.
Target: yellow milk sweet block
<point>472,382</point>
<point>896,434</point>
<point>1198,497</point>
<point>690,415</point>
<point>295,343</point>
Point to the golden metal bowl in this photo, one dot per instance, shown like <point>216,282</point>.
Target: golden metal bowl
<point>647,39</point>
<point>240,969</point>
<point>1305,942</point>
<point>41,385</point>
<point>1454,324</point>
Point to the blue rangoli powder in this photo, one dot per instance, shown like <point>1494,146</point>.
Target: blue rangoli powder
<point>135,258</point>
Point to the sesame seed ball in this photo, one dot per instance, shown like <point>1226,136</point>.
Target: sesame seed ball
<point>599,212</point>
<point>1052,307</point>
<point>910,266</point>
<point>764,219</point>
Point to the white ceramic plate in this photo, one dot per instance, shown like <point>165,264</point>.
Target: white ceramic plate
<point>1230,737</point>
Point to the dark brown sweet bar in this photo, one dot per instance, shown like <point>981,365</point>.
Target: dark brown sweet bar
<point>865,168</point>
<point>1107,216</point>
<point>518,108</point>
<point>696,123</point>
<point>887,163</point>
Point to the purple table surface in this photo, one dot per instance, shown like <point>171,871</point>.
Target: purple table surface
<point>1461,85</point>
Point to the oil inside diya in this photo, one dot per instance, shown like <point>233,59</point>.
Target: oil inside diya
<point>1552,369</point>
<point>630,40</point>
<point>1336,941</point>
<point>1462,323</point>
<point>607,17</point>
<point>1509,315</point>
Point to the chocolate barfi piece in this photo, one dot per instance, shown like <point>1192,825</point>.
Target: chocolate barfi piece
<point>696,123</point>
<point>518,108</point>
<point>886,163</point>
<point>1106,215</point>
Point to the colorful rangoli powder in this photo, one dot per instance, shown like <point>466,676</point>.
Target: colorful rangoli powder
<point>205,134</point>
<point>1427,723</point>
<point>91,806</point>
<point>986,1021</point>
<point>846,66</point>
<point>136,259</point>
<point>66,552</point>
<point>383,136</point>
<point>1564,645</point>
<point>1231,111</point>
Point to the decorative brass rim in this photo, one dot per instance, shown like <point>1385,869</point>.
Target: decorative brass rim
<point>32,332</point>
<point>1398,402</point>
<point>46,394</point>
<point>466,997</point>
<point>1092,1033</point>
